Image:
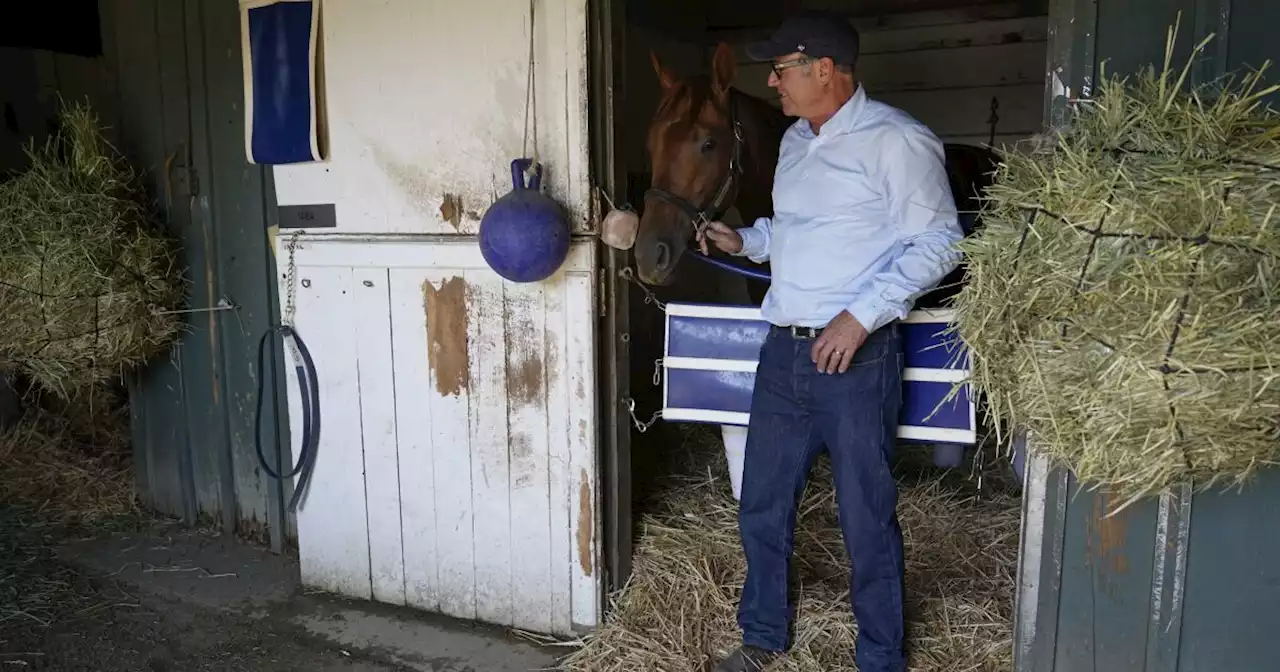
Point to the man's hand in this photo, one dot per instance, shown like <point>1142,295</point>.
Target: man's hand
<point>833,351</point>
<point>722,235</point>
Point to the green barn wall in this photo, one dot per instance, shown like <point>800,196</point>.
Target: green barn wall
<point>169,86</point>
<point>180,83</point>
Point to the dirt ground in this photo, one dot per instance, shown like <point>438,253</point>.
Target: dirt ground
<point>54,616</point>
<point>91,581</point>
<point>162,598</point>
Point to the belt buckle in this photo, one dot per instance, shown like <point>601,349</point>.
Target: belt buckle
<point>804,333</point>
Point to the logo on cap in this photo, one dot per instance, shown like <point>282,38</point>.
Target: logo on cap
<point>800,47</point>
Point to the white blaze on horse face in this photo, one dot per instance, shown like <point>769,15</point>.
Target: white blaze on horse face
<point>619,229</point>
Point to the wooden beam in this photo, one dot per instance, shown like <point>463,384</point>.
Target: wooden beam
<point>758,13</point>
<point>759,23</point>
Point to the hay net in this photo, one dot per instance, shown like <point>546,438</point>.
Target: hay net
<point>1123,304</point>
<point>88,280</point>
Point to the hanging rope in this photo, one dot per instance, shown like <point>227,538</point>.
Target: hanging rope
<point>308,391</point>
<point>531,103</point>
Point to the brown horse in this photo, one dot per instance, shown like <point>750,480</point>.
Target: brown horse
<point>711,148</point>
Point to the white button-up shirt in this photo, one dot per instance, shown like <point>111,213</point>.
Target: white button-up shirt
<point>864,219</point>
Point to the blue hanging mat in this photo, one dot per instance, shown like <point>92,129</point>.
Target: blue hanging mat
<point>711,353</point>
<point>279,40</point>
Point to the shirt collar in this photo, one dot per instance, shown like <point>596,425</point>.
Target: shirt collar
<point>844,118</point>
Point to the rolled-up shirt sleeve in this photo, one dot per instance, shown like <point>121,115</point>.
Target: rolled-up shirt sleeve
<point>755,240</point>
<point>922,213</point>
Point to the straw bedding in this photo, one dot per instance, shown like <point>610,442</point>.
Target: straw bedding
<point>87,279</point>
<point>69,460</point>
<point>678,612</point>
<point>1123,302</point>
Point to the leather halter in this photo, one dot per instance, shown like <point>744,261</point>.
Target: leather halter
<point>700,217</point>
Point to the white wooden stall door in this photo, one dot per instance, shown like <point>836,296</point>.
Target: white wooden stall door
<point>456,469</point>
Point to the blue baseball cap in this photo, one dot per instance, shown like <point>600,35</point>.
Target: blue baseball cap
<point>816,34</point>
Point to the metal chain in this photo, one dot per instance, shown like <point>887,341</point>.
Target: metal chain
<point>291,300</point>
<point>291,283</point>
<point>649,297</point>
<point>641,426</point>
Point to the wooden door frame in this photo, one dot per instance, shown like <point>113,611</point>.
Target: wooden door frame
<point>606,34</point>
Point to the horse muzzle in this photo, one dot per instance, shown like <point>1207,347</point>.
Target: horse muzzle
<point>656,257</point>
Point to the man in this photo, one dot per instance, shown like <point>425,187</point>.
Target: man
<point>864,223</point>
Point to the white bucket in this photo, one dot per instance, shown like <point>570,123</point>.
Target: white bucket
<point>735,452</point>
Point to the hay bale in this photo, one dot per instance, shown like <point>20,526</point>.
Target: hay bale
<point>1123,302</point>
<point>86,275</point>
<point>678,612</point>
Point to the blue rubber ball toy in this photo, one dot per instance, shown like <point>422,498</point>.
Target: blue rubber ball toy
<point>524,236</point>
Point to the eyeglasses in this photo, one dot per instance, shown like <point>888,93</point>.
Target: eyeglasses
<point>779,67</point>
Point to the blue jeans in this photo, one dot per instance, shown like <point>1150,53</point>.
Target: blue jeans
<point>796,411</point>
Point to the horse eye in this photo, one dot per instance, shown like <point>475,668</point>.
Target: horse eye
<point>709,145</point>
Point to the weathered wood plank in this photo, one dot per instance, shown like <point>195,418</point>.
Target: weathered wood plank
<point>235,196</point>
<point>1003,65</point>
<point>742,31</point>
<point>142,92</point>
<point>333,531</point>
<point>584,494</point>
<point>211,450</point>
<point>1025,29</point>
<point>447,301</point>
<point>559,480</point>
<point>494,395</point>
<point>937,36</point>
<point>945,71</point>
<point>966,111</point>
<point>415,399</point>
<point>490,452</point>
<point>126,50</point>
<point>452,254</point>
<point>1004,141</point>
<point>377,373</point>
<point>528,372</point>
<point>199,404</point>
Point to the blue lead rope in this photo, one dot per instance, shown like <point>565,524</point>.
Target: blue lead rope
<point>966,223</point>
<point>309,390</point>
<point>733,268</point>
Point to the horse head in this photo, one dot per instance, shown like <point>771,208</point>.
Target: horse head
<point>696,143</point>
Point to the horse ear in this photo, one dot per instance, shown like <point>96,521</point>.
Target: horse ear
<point>665,77</point>
<point>723,69</point>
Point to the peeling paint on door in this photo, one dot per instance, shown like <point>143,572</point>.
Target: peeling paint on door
<point>584,522</point>
<point>451,210</point>
<point>1111,530</point>
<point>446,310</point>
<point>524,381</point>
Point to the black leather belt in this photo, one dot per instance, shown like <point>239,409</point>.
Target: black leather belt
<point>802,333</point>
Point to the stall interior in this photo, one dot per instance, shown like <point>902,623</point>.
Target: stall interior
<point>974,72</point>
